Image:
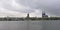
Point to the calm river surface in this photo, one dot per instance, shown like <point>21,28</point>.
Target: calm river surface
<point>30,25</point>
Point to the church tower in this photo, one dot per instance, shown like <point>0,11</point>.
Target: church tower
<point>44,15</point>
<point>27,15</point>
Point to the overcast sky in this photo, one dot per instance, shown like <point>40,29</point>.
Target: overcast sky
<point>19,8</point>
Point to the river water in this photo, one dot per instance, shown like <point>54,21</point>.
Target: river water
<point>30,25</point>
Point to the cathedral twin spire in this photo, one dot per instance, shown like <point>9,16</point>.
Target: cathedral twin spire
<point>43,15</point>
<point>28,15</point>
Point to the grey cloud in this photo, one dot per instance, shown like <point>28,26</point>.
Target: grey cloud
<point>51,7</point>
<point>9,7</point>
<point>27,11</point>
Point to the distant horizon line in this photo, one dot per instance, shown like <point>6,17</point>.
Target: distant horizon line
<point>29,16</point>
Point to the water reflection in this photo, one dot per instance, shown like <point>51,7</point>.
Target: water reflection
<point>30,25</point>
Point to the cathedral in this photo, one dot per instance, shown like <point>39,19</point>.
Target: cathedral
<point>27,15</point>
<point>44,15</point>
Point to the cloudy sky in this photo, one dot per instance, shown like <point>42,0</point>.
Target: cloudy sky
<point>19,8</point>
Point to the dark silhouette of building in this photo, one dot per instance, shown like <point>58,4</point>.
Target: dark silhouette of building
<point>28,15</point>
<point>44,15</point>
